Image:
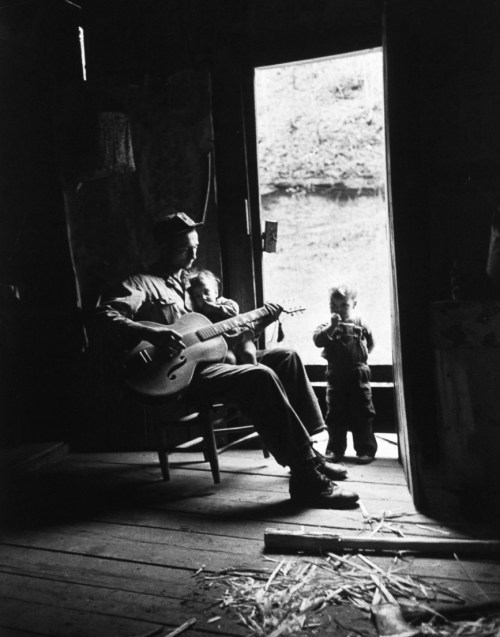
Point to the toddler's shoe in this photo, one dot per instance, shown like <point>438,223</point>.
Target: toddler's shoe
<point>365,459</point>
<point>331,456</point>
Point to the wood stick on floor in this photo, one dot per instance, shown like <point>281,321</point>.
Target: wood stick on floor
<point>279,540</point>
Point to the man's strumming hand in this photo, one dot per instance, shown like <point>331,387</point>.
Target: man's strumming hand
<point>166,339</point>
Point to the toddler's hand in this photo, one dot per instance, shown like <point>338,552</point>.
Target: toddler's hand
<point>335,320</point>
<point>211,305</point>
<point>202,305</point>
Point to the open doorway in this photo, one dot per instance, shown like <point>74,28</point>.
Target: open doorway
<point>322,178</point>
<point>321,157</point>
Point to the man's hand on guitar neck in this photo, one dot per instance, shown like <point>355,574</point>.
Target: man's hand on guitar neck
<point>274,310</point>
<point>164,338</point>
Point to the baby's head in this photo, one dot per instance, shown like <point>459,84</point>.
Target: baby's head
<point>203,287</point>
<point>343,299</point>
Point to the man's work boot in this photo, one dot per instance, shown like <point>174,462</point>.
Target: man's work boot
<point>309,487</point>
<point>331,470</point>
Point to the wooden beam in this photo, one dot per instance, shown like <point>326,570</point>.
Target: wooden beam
<point>415,612</point>
<point>278,541</point>
<point>231,182</point>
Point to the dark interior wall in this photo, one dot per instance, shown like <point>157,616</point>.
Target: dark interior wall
<point>41,335</point>
<point>459,69</point>
<point>443,88</point>
<point>159,37</point>
<point>38,52</point>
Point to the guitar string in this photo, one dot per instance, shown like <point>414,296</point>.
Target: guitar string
<point>205,333</point>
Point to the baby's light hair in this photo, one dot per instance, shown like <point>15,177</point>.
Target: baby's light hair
<point>344,290</point>
<point>198,279</point>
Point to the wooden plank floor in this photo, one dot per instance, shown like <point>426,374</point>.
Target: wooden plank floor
<point>98,545</point>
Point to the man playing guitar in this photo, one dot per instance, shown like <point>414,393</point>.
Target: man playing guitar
<point>275,394</point>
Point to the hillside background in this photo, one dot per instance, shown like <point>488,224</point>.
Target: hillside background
<point>321,124</point>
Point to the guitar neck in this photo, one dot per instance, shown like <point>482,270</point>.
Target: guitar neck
<point>223,327</point>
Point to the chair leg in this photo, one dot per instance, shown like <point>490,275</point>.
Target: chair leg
<point>162,454</point>
<point>210,449</point>
<point>265,450</point>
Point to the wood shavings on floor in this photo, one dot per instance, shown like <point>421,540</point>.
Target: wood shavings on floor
<point>287,599</point>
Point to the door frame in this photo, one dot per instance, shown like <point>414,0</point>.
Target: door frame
<point>406,445</point>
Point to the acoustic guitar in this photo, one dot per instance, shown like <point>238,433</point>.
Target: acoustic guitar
<point>149,371</point>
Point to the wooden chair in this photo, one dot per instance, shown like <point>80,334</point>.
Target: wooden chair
<point>214,422</point>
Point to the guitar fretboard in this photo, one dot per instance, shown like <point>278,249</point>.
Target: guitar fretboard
<point>222,327</point>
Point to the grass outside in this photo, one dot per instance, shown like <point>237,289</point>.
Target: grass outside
<point>321,242</point>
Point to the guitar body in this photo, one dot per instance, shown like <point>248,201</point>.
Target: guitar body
<point>149,372</point>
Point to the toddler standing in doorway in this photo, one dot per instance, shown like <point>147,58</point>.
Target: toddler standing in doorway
<point>346,341</point>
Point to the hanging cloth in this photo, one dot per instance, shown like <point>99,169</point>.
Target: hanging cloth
<point>115,152</point>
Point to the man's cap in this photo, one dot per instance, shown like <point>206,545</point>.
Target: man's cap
<point>171,225</point>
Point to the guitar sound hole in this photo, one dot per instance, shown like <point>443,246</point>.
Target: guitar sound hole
<point>171,372</point>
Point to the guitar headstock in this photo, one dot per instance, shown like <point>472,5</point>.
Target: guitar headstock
<point>294,310</point>
<point>291,307</point>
